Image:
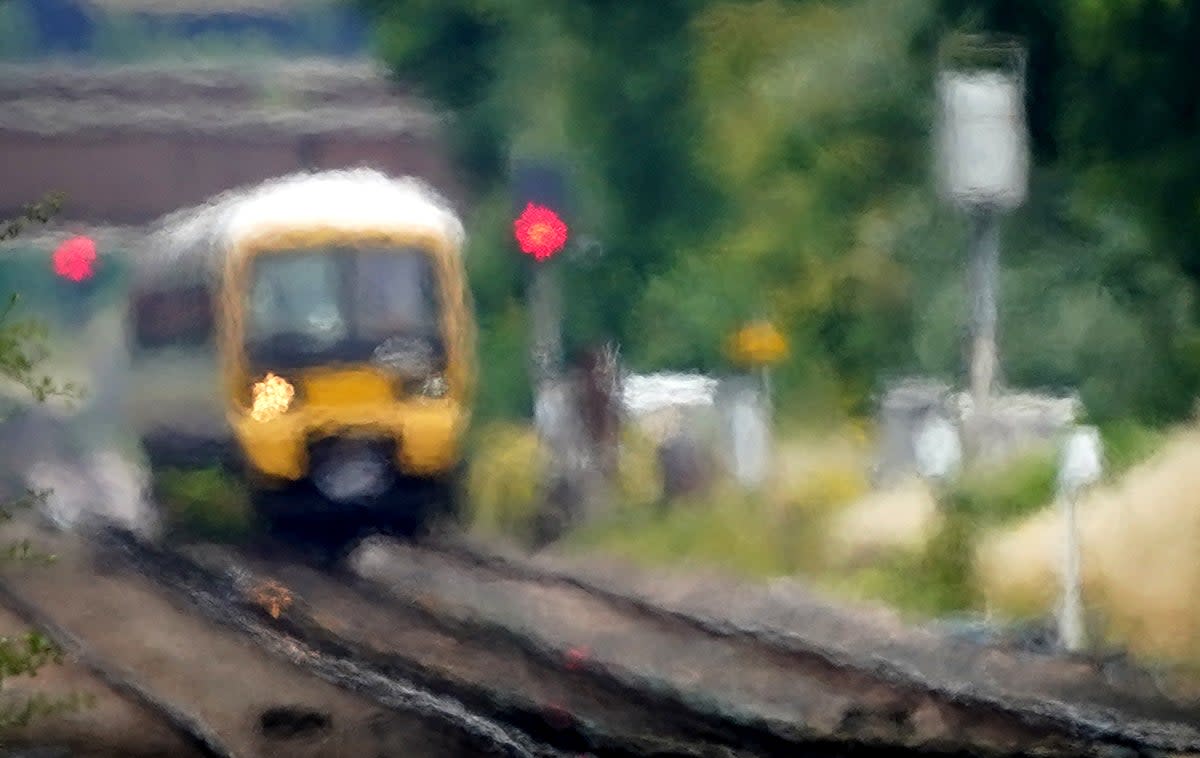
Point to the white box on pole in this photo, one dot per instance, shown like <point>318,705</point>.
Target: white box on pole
<point>983,146</point>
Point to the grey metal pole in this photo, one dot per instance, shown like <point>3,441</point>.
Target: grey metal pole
<point>546,317</point>
<point>554,410</point>
<point>1070,619</point>
<point>984,267</point>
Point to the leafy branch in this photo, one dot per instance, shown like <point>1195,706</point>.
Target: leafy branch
<point>22,350</point>
<point>33,213</point>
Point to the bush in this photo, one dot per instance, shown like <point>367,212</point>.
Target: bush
<point>503,477</point>
<point>205,503</point>
<point>778,531</point>
<point>729,529</point>
<point>1002,493</point>
<point>1127,443</point>
<point>1139,538</point>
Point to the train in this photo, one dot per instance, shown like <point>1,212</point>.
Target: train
<point>315,333</point>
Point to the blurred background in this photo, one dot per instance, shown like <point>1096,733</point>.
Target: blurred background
<point>726,163</point>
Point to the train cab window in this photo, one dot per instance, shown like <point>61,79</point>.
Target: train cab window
<point>340,304</point>
<point>395,294</point>
<point>172,316</point>
<point>296,295</point>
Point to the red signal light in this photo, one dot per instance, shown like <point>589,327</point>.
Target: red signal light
<point>75,258</point>
<point>540,232</point>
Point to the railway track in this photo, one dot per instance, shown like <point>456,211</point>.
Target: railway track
<point>289,631</point>
<point>348,622</point>
<point>536,687</point>
<point>200,653</point>
<point>499,695</point>
<point>516,658</point>
<point>1069,699</point>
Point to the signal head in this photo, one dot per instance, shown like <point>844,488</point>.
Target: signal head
<point>75,259</point>
<point>540,232</point>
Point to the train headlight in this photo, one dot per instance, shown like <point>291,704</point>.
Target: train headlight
<point>272,397</point>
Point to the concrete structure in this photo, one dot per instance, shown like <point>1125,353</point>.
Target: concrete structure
<point>1014,423</point>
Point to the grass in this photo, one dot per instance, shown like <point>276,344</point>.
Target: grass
<point>205,503</point>
<point>1140,538</point>
<point>934,580</point>
<point>778,531</point>
<point>1001,494</point>
<point>745,535</point>
<point>1127,444</point>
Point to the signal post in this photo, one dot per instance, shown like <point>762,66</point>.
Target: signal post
<point>541,233</point>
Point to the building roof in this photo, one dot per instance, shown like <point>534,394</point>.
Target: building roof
<point>171,79</point>
<point>47,116</point>
<point>313,96</point>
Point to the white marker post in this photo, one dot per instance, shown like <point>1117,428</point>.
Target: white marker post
<point>938,450</point>
<point>750,434</point>
<point>1082,465</point>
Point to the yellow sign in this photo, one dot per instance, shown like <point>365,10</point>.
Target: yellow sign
<point>757,344</point>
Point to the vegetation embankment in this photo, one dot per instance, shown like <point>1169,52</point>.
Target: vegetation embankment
<point>988,543</point>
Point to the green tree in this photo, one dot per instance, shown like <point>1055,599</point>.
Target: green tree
<point>771,157</point>
<point>813,128</point>
<point>537,78</point>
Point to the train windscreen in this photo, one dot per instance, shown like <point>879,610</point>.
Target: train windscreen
<point>340,304</point>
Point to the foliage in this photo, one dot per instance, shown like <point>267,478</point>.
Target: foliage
<point>1116,95</point>
<point>20,354</point>
<point>1139,537</point>
<point>504,476</point>
<point>994,495</point>
<point>782,529</point>
<point>728,530</point>
<point>502,481</point>
<point>21,342</point>
<point>21,351</point>
<point>935,581</point>
<point>25,656</point>
<point>1127,444</point>
<point>772,157</point>
<point>204,503</point>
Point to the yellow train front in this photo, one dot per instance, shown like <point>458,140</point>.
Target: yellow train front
<point>342,346</point>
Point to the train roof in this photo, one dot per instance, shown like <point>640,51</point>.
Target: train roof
<point>196,241</point>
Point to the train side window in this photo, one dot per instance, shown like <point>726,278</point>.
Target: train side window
<point>179,316</point>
